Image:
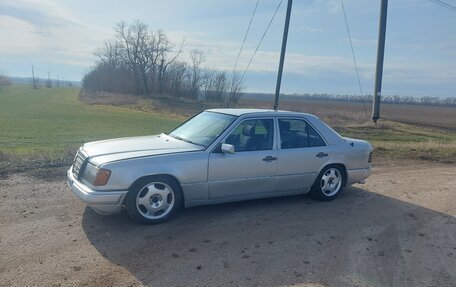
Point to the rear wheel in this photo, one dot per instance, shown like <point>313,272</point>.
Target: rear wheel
<point>154,199</point>
<point>329,183</point>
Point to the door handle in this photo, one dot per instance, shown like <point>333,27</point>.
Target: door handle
<point>321,154</point>
<point>269,158</point>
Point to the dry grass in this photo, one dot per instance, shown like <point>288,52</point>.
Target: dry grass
<point>159,104</point>
<point>429,151</point>
<point>43,165</point>
<point>428,116</point>
<point>3,156</point>
<point>343,113</point>
<point>105,98</point>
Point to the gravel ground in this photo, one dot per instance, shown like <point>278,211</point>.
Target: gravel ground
<point>399,229</point>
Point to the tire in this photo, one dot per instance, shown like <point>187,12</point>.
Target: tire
<point>154,199</point>
<point>329,183</point>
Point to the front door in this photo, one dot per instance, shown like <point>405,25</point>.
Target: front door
<point>252,169</point>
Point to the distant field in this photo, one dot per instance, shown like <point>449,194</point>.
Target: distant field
<point>343,112</point>
<point>50,122</point>
<point>431,116</point>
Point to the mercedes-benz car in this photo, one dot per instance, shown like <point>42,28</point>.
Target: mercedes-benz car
<point>217,156</point>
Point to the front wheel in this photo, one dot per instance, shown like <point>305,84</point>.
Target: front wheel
<point>154,199</point>
<point>329,183</point>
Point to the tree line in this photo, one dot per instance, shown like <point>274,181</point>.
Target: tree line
<point>144,62</point>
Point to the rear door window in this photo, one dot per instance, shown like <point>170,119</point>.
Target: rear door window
<point>296,133</point>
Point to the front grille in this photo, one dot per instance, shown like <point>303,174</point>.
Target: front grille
<point>78,163</point>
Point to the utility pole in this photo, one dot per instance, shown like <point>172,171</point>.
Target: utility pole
<point>33,78</point>
<point>380,56</point>
<point>282,55</point>
<point>48,82</point>
<point>161,73</point>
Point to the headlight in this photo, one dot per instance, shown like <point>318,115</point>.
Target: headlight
<point>95,175</point>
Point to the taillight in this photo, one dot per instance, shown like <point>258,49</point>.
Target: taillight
<point>370,158</point>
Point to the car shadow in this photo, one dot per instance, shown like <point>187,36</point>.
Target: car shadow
<point>359,239</point>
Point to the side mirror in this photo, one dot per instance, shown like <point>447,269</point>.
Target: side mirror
<point>227,148</point>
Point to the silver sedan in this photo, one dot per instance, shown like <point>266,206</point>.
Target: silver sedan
<point>218,156</point>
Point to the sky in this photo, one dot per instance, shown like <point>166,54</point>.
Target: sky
<point>420,57</point>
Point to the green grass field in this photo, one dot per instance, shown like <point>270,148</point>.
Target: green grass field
<point>51,122</point>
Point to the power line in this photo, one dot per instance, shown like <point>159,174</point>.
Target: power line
<point>245,36</point>
<point>353,55</point>
<point>444,4</point>
<point>261,40</point>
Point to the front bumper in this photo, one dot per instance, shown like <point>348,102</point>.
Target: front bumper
<point>103,202</point>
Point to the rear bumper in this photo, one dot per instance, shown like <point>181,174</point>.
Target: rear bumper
<point>103,202</point>
<point>357,175</point>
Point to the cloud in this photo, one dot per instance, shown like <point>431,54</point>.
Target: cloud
<point>448,48</point>
<point>310,29</point>
<point>223,55</point>
<point>20,40</point>
<point>364,42</point>
<point>46,30</point>
<point>334,6</point>
<point>406,71</point>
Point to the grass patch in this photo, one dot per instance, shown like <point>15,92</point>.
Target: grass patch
<point>389,131</point>
<point>51,123</point>
<point>428,151</point>
<point>405,141</point>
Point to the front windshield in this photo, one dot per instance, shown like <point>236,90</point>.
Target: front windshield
<point>203,129</point>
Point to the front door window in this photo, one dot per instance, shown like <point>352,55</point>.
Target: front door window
<point>251,135</point>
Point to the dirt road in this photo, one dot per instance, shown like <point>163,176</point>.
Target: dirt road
<point>399,229</point>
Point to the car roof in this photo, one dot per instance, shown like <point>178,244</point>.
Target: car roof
<point>240,112</point>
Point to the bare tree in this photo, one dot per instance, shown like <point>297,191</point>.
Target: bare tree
<point>208,77</point>
<point>48,81</point>
<point>33,78</point>
<point>145,52</point>
<point>236,88</point>
<point>164,65</point>
<point>220,85</point>
<point>110,54</point>
<point>176,77</point>
<point>134,40</point>
<point>5,81</point>
<point>196,77</point>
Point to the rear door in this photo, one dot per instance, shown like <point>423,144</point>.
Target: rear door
<point>302,153</point>
<point>249,172</point>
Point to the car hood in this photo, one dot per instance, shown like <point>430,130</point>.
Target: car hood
<point>124,148</point>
